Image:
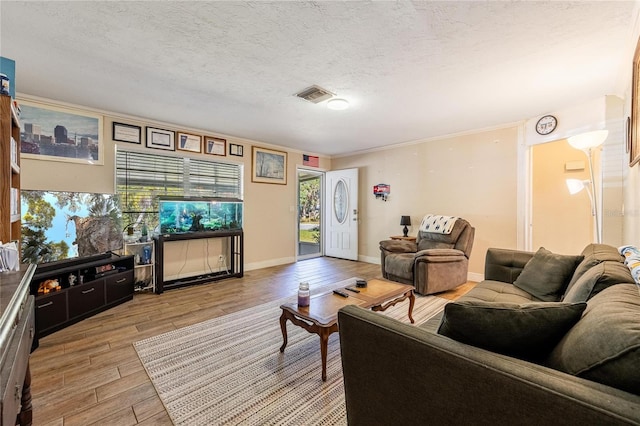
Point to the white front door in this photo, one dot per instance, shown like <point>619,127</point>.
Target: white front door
<point>341,201</point>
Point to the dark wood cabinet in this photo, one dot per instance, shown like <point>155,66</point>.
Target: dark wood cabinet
<point>86,298</point>
<point>88,286</point>
<point>16,337</point>
<point>119,287</point>
<point>16,305</point>
<point>51,311</point>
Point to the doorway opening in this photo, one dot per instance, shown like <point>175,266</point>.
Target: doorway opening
<point>310,190</point>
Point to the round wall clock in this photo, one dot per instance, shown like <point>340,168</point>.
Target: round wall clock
<point>546,125</point>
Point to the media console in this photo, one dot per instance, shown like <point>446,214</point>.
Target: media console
<point>234,255</point>
<point>71,290</point>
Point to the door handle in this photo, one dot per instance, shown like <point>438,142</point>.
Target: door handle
<point>88,291</point>
<point>45,305</point>
<point>121,280</point>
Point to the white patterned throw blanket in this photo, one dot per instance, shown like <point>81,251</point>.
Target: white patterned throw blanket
<point>438,224</point>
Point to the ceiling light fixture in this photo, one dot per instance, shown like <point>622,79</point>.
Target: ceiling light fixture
<point>338,104</point>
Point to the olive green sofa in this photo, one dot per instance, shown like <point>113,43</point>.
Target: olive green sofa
<point>395,373</point>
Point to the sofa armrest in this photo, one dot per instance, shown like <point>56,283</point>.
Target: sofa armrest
<point>504,264</point>
<point>399,246</point>
<point>395,373</point>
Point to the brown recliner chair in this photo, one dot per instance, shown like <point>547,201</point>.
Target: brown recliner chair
<point>435,262</point>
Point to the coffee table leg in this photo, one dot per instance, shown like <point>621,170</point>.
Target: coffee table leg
<point>412,301</point>
<point>283,327</point>
<point>324,341</point>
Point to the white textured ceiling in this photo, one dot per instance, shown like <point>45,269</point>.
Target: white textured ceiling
<point>411,70</point>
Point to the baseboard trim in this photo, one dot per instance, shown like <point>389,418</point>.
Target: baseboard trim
<point>369,259</point>
<point>475,277</point>
<point>268,263</point>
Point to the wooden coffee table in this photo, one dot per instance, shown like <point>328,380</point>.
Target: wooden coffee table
<point>321,316</point>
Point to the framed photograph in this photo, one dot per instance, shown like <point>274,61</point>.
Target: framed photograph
<point>160,139</point>
<point>235,149</point>
<point>55,133</point>
<point>127,133</point>
<point>215,146</point>
<point>189,142</point>
<point>634,150</point>
<point>268,166</point>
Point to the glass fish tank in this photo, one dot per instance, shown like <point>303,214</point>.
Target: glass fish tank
<point>180,214</point>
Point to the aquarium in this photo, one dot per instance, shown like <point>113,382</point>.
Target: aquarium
<point>179,214</point>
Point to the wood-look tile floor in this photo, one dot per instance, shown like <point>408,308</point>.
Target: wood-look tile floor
<point>89,373</point>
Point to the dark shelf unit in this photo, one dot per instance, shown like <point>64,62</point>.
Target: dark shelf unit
<point>97,292</point>
<point>235,255</point>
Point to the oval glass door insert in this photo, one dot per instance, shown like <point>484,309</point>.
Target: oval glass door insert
<point>341,201</point>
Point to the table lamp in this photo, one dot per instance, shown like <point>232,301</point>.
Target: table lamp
<point>405,220</point>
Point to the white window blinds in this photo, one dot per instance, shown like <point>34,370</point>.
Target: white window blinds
<point>142,177</point>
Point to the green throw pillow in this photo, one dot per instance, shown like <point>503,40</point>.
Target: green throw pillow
<point>593,255</point>
<point>528,331</point>
<point>596,279</point>
<point>547,275</point>
<point>604,346</point>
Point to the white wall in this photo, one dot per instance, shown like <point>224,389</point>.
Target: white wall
<point>472,176</point>
<point>269,210</point>
<point>475,176</point>
<point>605,112</point>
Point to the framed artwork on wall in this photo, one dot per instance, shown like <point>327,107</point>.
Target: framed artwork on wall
<point>189,142</point>
<point>56,133</point>
<point>215,146</point>
<point>235,149</point>
<point>268,166</point>
<point>160,139</point>
<point>634,149</point>
<point>127,133</point>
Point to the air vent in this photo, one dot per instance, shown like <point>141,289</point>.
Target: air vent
<point>315,94</point>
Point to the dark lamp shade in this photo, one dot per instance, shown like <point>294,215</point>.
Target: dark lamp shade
<point>405,220</point>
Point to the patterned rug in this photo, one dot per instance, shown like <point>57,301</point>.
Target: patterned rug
<point>229,370</point>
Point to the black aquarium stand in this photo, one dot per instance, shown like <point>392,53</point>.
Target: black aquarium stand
<point>233,258</point>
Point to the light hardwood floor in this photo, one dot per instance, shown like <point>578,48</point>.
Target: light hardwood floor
<point>89,373</point>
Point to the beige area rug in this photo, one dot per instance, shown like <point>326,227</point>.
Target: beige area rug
<point>229,370</point>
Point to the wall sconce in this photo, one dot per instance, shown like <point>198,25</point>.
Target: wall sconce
<point>587,142</point>
<point>406,221</point>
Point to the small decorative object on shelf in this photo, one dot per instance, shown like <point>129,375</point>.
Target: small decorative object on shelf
<point>144,233</point>
<point>48,286</point>
<point>4,84</point>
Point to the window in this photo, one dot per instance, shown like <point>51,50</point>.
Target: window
<point>142,177</point>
